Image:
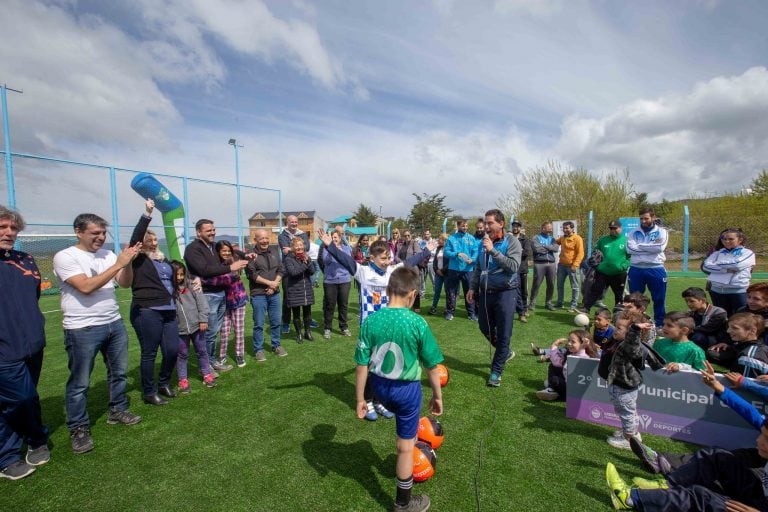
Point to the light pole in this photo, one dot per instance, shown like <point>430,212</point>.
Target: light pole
<point>8,160</point>
<point>235,145</point>
<point>379,224</point>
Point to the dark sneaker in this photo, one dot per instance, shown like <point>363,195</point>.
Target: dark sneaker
<point>432,311</point>
<point>81,440</point>
<point>511,355</point>
<point>280,351</point>
<point>494,380</point>
<point>19,470</point>
<point>472,318</point>
<point>313,324</point>
<point>652,460</point>
<point>260,356</point>
<point>38,456</point>
<point>240,360</point>
<point>449,316</point>
<point>418,503</point>
<point>123,418</point>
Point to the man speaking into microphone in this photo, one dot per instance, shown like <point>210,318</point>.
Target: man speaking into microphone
<point>495,285</point>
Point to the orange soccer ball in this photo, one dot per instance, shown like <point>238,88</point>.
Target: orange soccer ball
<point>442,370</point>
<point>424,462</point>
<point>431,432</point>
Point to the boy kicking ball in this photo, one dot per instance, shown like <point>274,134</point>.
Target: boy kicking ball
<point>393,343</point>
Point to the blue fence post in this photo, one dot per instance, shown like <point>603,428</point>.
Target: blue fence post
<point>279,211</point>
<point>185,198</point>
<point>589,235</point>
<point>115,216</point>
<point>8,159</point>
<point>686,233</point>
<point>445,225</point>
<point>389,230</point>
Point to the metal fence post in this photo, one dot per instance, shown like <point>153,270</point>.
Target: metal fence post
<point>445,225</point>
<point>389,230</point>
<point>686,233</point>
<point>185,198</point>
<point>8,158</point>
<point>115,216</point>
<point>589,235</point>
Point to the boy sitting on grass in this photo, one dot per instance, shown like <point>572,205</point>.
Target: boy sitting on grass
<point>393,343</point>
<point>675,348</point>
<point>710,321</point>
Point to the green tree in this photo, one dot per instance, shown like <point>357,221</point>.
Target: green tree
<point>759,185</point>
<point>428,212</point>
<point>365,215</point>
<point>552,192</point>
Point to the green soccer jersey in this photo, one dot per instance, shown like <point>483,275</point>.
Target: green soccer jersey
<point>681,352</point>
<point>392,343</point>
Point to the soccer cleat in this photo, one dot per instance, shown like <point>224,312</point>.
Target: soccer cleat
<point>418,503</point>
<point>494,380</point>
<point>260,356</point>
<point>38,456</point>
<point>645,483</point>
<point>240,360</point>
<point>370,414</point>
<point>383,411</point>
<point>210,381</point>
<point>652,460</point>
<point>327,334</point>
<point>81,439</point>
<point>122,418</point>
<point>21,469</point>
<point>619,489</point>
<point>184,386</point>
<point>547,394</point>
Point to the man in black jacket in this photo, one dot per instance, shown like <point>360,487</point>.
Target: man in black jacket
<point>202,261</point>
<point>525,243</point>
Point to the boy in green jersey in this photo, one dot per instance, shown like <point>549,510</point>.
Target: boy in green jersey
<point>675,348</point>
<point>394,343</point>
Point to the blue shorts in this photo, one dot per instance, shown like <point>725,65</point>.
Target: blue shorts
<point>402,397</point>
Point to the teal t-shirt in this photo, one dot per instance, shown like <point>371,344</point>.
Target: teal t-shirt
<point>681,352</point>
<point>393,341</point>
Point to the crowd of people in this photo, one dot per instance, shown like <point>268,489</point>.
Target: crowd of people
<point>201,300</point>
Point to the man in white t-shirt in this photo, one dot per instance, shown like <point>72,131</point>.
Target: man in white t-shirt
<point>92,324</point>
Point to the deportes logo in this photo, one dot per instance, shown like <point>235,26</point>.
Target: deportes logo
<point>596,413</point>
<point>645,421</point>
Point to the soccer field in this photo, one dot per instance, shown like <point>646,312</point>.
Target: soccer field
<point>282,435</point>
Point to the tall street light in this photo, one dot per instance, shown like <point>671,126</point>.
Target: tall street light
<point>235,145</point>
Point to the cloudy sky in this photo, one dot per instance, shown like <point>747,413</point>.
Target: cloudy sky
<point>341,102</point>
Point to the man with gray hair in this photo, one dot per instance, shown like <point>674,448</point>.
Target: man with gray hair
<point>92,324</point>
<point>22,340</point>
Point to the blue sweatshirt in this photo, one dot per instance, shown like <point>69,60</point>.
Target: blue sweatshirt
<point>461,242</point>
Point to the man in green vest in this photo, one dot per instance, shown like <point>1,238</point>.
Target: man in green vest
<point>612,269</point>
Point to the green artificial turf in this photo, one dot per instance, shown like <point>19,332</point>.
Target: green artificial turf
<point>282,435</point>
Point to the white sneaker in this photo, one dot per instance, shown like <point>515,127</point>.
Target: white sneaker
<point>327,334</point>
<point>548,394</point>
<point>622,442</point>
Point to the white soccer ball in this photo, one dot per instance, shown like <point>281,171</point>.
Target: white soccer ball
<point>581,320</point>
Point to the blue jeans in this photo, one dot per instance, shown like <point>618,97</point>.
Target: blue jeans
<point>655,278</point>
<point>439,280</point>
<point>263,304</point>
<point>156,329</point>
<point>20,417</point>
<point>82,345</point>
<point>564,271</point>
<point>217,306</point>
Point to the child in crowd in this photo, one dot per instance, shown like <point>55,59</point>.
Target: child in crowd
<point>192,316</point>
<point>603,329</point>
<point>396,381</point>
<point>711,479</point>
<point>621,363</point>
<point>745,355</point>
<point>636,302</point>
<point>578,344</point>
<point>675,348</point>
<point>236,299</point>
<point>299,292</point>
<point>757,303</point>
<point>710,321</point>
<point>373,279</point>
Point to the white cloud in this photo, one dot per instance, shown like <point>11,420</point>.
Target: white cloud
<point>534,8</point>
<point>709,140</point>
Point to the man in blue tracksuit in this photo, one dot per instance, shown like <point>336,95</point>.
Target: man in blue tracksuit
<point>495,285</point>
<point>645,246</point>
<point>461,249</point>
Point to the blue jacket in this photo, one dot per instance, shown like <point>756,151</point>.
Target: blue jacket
<point>544,249</point>
<point>335,272</point>
<point>497,270</point>
<point>22,326</point>
<point>461,242</point>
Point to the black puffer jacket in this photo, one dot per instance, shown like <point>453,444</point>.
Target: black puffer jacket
<point>297,285</point>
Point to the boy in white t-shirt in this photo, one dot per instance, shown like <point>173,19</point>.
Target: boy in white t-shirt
<point>92,324</point>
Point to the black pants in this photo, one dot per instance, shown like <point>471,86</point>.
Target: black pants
<point>556,379</point>
<point>602,281</point>
<point>302,313</point>
<point>156,329</point>
<point>710,478</point>
<point>335,296</point>
<point>522,299</point>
